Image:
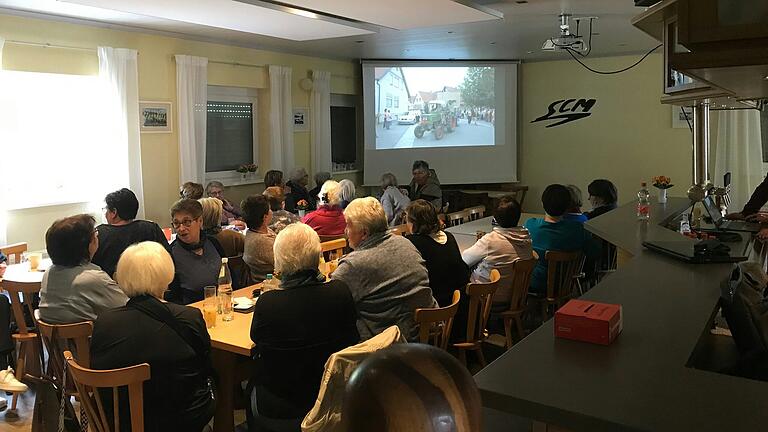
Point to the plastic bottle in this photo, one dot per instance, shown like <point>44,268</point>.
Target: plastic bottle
<point>268,284</point>
<point>643,203</point>
<point>685,225</point>
<point>225,292</point>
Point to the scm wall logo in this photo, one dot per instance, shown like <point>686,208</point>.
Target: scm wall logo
<point>567,110</point>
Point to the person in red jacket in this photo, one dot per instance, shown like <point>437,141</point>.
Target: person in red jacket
<point>328,219</point>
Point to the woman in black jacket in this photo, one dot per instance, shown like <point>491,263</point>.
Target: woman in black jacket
<point>170,337</point>
<point>297,327</point>
<point>603,196</point>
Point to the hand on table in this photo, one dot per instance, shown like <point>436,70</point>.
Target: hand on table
<point>734,216</point>
<point>758,217</point>
<point>763,234</point>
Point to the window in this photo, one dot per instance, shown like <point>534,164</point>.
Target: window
<point>388,102</point>
<point>54,131</point>
<point>395,81</point>
<point>397,101</point>
<point>231,133</point>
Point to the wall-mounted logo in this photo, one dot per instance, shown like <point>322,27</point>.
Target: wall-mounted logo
<point>567,110</point>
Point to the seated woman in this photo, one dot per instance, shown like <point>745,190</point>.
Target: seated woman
<point>603,196</point>
<point>553,233</point>
<point>281,218</point>
<point>231,242</point>
<point>74,289</point>
<point>259,239</point>
<point>393,201</point>
<point>574,210</point>
<point>296,189</point>
<point>178,395</point>
<point>196,258</point>
<point>191,190</point>
<point>499,249</point>
<point>447,272</point>
<point>229,211</point>
<point>320,178</point>
<point>273,178</point>
<point>385,273</point>
<point>328,219</point>
<point>346,192</point>
<point>297,327</point>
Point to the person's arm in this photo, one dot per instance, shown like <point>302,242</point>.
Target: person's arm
<point>103,293</point>
<point>347,274</point>
<point>386,202</point>
<point>476,253</point>
<point>757,200</point>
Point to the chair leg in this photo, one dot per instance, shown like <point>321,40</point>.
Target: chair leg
<point>508,332</point>
<point>544,311</point>
<point>480,356</point>
<point>20,363</point>
<point>463,356</point>
<point>519,324</point>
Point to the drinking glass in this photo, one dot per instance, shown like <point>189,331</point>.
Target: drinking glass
<point>34,260</point>
<point>210,306</point>
<point>225,300</point>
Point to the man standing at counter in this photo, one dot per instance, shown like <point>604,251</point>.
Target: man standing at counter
<point>751,209</point>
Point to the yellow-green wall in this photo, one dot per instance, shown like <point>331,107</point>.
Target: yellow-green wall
<point>157,81</point>
<point>627,139</point>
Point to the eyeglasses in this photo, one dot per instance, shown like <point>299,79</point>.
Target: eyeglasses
<point>186,222</point>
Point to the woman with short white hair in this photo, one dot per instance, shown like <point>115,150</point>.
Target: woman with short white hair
<point>170,337</point>
<point>346,192</point>
<point>296,328</point>
<point>385,272</point>
<point>328,219</point>
<point>393,200</point>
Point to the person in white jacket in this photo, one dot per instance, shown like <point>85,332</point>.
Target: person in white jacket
<point>393,200</point>
<point>499,249</point>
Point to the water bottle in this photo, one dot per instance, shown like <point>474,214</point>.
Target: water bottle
<point>643,203</point>
<point>685,225</point>
<point>268,284</point>
<point>225,292</point>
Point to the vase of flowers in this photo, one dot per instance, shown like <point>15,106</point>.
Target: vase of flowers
<point>301,206</point>
<point>252,168</point>
<point>662,183</point>
<point>243,170</point>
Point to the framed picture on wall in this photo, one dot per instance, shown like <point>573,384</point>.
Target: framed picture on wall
<point>300,120</point>
<point>155,117</point>
<point>678,116</point>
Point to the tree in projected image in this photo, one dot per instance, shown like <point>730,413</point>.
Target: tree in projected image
<point>478,90</point>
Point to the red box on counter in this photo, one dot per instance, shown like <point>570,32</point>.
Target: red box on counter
<point>588,321</point>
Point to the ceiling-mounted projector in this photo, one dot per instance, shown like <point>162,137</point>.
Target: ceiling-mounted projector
<point>566,40</point>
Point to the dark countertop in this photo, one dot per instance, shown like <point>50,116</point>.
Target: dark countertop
<point>641,381</point>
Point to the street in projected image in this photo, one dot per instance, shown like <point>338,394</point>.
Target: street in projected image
<point>434,106</point>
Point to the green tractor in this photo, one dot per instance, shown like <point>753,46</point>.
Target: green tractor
<point>438,116</point>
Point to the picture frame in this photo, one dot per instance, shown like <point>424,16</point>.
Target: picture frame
<point>678,119</point>
<point>300,120</point>
<point>155,117</point>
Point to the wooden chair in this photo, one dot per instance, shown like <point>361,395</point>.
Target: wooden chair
<point>521,280</point>
<point>561,269</point>
<point>435,323</point>
<point>241,273</point>
<point>399,229</point>
<point>327,238</point>
<point>14,252</point>
<point>65,337</point>
<point>29,342</point>
<point>607,262</point>
<point>456,218</point>
<point>333,248</point>
<point>475,213</point>
<point>89,381</point>
<point>480,299</point>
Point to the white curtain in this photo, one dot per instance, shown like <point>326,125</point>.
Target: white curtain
<point>3,212</point>
<point>192,100</point>
<point>280,118</point>
<point>739,151</point>
<point>118,69</point>
<point>320,124</point>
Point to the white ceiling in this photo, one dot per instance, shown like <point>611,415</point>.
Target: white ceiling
<point>519,35</point>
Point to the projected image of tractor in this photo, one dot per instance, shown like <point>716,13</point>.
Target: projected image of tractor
<point>438,117</point>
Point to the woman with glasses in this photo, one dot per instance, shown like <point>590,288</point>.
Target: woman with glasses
<point>195,256</point>
<point>229,211</point>
<point>74,289</point>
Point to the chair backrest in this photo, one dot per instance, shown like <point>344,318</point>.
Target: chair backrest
<point>399,229</point>
<point>66,337</point>
<point>334,248</point>
<point>456,218</point>
<point>561,268</point>
<point>607,262</point>
<point>19,303</point>
<point>521,280</point>
<point>477,212</point>
<point>435,323</point>
<point>480,300</point>
<point>14,252</point>
<point>327,238</point>
<point>88,381</point>
<point>241,273</point>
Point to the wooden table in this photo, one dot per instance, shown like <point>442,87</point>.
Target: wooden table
<point>231,356</point>
<point>466,233</point>
<point>20,272</point>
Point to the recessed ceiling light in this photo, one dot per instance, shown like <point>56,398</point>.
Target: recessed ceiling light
<point>766,77</point>
<point>622,45</point>
<point>521,1</point>
<point>530,52</point>
<point>450,32</point>
<point>493,43</point>
<point>359,41</point>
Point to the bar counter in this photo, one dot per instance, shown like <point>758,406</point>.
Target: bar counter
<point>643,381</point>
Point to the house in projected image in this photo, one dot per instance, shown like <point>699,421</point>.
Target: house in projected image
<point>417,102</point>
<point>449,94</point>
<point>391,92</point>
